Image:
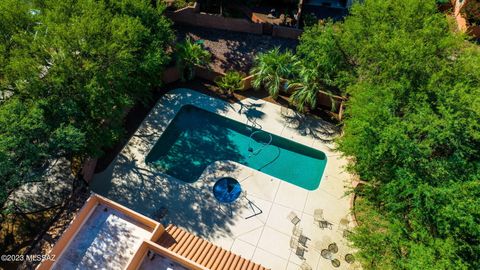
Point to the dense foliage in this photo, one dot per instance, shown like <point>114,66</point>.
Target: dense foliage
<point>316,68</point>
<point>70,68</point>
<point>413,128</point>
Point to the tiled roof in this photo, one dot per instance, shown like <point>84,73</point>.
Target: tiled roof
<point>203,252</point>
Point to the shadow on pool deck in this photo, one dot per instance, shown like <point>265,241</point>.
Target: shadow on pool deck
<point>318,128</point>
<point>132,183</point>
<point>189,205</point>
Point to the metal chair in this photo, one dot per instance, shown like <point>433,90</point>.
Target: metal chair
<point>349,258</point>
<point>318,215</point>
<point>335,263</point>
<point>318,218</point>
<point>326,254</point>
<point>299,250</point>
<point>344,226</point>
<point>293,218</point>
<point>302,239</point>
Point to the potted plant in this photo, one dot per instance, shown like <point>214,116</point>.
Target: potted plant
<point>190,54</point>
<point>231,82</point>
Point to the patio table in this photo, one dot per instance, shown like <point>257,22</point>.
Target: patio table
<point>227,190</point>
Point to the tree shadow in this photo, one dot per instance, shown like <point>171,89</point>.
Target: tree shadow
<point>58,183</point>
<point>312,126</point>
<point>130,181</point>
<point>252,112</point>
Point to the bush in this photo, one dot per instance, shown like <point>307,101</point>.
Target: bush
<point>188,55</point>
<point>231,82</point>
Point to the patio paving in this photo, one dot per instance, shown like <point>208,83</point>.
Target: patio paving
<point>256,225</point>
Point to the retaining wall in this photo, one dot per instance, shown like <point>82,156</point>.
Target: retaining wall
<point>189,16</point>
<point>192,16</point>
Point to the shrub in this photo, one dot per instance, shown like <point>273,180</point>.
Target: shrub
<point>188,55</point>
<point>231,82</point>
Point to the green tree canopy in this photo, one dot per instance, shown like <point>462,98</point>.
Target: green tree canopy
<point>413,129</point>
<point>73,67</point>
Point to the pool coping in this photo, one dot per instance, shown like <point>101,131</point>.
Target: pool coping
<point>244,166</point>
<point>196,99</point>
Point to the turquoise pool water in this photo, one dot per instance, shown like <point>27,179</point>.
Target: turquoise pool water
<point>196,138</point>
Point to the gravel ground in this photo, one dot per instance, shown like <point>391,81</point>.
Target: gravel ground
<point>233,50</point>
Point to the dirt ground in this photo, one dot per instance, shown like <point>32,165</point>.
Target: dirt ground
<point>233,50</point>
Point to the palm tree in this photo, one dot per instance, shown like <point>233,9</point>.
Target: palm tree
<point>306,89</point>
<point>188,55</point>
<point>231,82</point>
<point>273,69</point>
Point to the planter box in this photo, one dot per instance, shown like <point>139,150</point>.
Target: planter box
<point>286,32</point>
<point>207,74</point>
<point>170,75</point>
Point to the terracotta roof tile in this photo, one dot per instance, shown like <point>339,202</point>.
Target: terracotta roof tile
<point>203,252</point>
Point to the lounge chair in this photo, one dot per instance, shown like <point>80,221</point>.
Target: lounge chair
<point>293,218</point>
<point>299,250</point>
<point>302,239</point>
<point>318,218</point>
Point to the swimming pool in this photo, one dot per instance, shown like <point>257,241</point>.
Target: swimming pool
<point>195,138</point>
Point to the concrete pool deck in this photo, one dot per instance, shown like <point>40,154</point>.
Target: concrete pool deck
<point>256,226</point>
